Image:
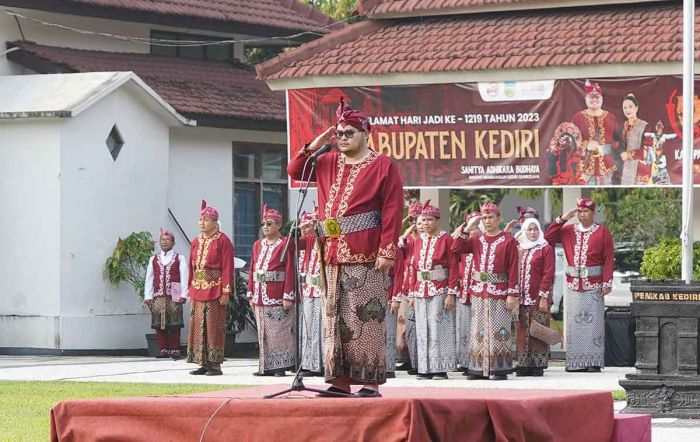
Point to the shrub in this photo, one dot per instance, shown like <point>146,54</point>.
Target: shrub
<point>663,261</point>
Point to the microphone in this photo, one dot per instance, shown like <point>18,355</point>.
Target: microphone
<point>324,149</point>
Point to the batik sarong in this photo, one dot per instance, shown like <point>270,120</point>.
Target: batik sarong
<point>207,336</point>
<point>390,341</point>
<point>435,330</point>
<point>532,353</point>
<point>276,337</point>
<point>410,333</point>
<point>311,354</point>
<point>490,340</point>
<point>463,317</point>
<point>166,314</point>
<point>354,323</point>
<point>585,329</point>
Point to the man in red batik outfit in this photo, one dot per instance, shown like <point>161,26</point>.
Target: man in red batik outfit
<point>211,279</point>
<point>360,207</point>
<point>434,282</point>
<point>271,294</point>
<point>599,131</point>
<point>494,293</point>
<point>590,255</point>
<point>165,291</point>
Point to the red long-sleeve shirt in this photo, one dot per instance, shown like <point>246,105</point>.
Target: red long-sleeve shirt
<point>496,254</point>
<point>266,258</point>
<point>536,274</point>
<point>584,248</point>
<point>211,267</point>
<point>374,185</point>
<point>432,253</point>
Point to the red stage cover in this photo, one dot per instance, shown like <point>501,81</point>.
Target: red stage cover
<point>404,414</point>
<point>506,134</point>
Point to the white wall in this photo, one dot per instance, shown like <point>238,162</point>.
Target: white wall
<point>29,232</point>
<point>102,200</point>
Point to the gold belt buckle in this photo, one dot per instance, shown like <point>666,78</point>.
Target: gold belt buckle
<point>332,227</point>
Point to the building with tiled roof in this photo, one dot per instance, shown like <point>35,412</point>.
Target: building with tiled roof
<point>122,170</point>
<point>554,40</point>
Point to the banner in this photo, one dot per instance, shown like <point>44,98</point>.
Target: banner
<point>514,134</point>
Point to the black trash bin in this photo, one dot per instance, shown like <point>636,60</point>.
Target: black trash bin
<point>620,349</point>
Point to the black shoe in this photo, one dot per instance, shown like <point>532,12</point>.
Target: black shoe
<point>163,354</point>
<point>404,367</point>
<point>214,372</point>
<point>537,372</point>
<point>500,377</point>
<point>390,375</point>
<point>366,392</point>
<point>412,372</point>
<point>593,369</point>
<point>175,354</point>
<point>475,377</point>
<point>279,374</point>
<point>330,390</point>
<point>310,374</point>
<point>576,370</point>
<point>199,371</point>
<point>264,373</point>
<point>440,376</point>
<point>424,376</point>
<point>519,372</point>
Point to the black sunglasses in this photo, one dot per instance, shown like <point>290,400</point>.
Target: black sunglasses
<point>345,134</point>
<point>267,223</point>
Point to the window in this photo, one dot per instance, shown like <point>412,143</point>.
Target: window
<point>221,52</point>
<point>259,177</point>
<point>114,142</point>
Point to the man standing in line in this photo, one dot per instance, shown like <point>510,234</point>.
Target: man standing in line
<point>165,291</point>
<point>360,208</point>
<point>309,269</point>
<point>211,279</point>
<point>590,255</point>
<point>271,294</point>
<point>494,293</point>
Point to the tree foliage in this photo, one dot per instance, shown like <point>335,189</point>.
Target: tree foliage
<point>338,9</point>
<point>129,260</point>
<point>663,261</point>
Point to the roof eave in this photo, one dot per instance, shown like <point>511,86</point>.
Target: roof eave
<point>475,76</point>
<point>366,8</point>
<point>175,20</point>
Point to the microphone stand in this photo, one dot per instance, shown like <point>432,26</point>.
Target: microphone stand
<point>298,382</point>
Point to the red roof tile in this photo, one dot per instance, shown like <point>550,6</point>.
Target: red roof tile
<point>516,40</point>
<point>281,14</point>
<point>378,8</point>
<point>195,88</point>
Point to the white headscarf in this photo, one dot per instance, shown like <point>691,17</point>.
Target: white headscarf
<point>525,243</point>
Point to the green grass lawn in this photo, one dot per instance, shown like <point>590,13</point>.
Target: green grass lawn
<point>25,406</point>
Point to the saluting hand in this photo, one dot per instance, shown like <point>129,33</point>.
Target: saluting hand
<point>570,214</point>
<point>510,226</point>
<point>458,230</point>
<point>319,140</point>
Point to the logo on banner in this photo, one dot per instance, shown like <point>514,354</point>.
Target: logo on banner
<point>516,90</point>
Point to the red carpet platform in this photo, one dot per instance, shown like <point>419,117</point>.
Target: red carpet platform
<point>403,414</point>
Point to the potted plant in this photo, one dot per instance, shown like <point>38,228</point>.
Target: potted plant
<point>128,264</point>
<point>240,314</point>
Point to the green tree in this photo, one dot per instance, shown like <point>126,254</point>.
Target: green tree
<point>640,218</point>
<point>338,9</point>
<point>129,260</point>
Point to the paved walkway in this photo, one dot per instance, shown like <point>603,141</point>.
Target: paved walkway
<point>239,372</point>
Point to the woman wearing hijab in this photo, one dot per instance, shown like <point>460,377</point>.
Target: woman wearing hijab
<point>536,271</point>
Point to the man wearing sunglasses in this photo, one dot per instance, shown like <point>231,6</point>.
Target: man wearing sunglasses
<point>271,294</point>
<point>360,209</point>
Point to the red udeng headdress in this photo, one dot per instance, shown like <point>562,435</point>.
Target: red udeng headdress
<point>346,114</point>
<point>415,209</point>
<point>527,212</point>
<point>208,212</point>
<point>585,203</point>
<point>592,87</point>
<point>272,214</point>
<point>490,208</point>
<point>429,210</point>
<point>168,233</point>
